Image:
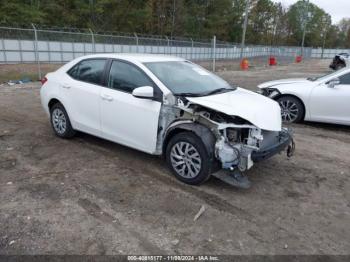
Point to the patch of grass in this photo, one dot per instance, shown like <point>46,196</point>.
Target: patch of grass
<point>20,71</point>
<point>4,78</point>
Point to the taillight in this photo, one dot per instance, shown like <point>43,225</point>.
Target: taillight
<point>43,81</point>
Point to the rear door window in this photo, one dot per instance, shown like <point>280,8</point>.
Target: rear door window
<point>90,71</point>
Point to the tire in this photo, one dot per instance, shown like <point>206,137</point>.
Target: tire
<point>60,121</point>
<point>196,163</point>
<point>339,66</point>
<point>292,110</point>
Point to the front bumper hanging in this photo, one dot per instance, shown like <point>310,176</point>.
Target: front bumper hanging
<point>285,141</point>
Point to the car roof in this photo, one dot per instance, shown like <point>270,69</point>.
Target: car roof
<point>134,57</point>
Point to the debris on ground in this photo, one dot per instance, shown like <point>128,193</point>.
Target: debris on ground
<point>175,242</point>
<point>9,183</point>
<point>200,212</point>
<point>20,81</point>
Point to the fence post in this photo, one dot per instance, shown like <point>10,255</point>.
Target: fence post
<point>37,58</point>
<point>92,41</point>
<point>192,54</point>
<point>323,45</point>
<point>168,44</point>
<point>61,51</point>
<point>3,49</point>
<point>214,52</point>
<point>20,50</point>
<point>137,42</point>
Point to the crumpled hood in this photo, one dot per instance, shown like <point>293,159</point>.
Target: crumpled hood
<point>261,111</point>
<point>283,81</point>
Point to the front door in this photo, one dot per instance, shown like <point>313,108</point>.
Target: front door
<point>126,119</point>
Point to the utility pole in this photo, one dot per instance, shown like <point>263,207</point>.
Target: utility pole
<point>173,19</point>
<point>305,19</point>
<point>324,33</point>
<point>36,48</point>
<point>245,26</point>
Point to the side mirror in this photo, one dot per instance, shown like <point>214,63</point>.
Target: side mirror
<point>143,92</point>
<point>332,83</point>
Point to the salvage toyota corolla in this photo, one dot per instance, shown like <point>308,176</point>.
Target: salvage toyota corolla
<point>166,106</point>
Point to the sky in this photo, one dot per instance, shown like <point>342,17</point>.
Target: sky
<point>338,9</point>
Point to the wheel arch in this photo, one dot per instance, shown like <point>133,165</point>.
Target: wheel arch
<point>52,102</point>
<point>199,130</point>
<point>56,100</point>
<point>294,96</point>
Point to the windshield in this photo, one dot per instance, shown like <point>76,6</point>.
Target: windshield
<point>186,78</point>
<point>326,76</point>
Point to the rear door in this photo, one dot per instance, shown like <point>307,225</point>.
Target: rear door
<point>126,119</point>
<point>81,94</point>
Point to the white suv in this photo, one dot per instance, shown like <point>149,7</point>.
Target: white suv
<point>165,106</point>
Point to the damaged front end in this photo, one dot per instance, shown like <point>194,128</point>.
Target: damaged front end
<point>236,143</point>
<point>239,144</point>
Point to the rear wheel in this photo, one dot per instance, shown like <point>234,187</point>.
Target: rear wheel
<point>60,121</point>
<point>292,110</point>
<point>188,158</point>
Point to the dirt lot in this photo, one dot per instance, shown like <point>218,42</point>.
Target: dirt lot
<point>90,196</point>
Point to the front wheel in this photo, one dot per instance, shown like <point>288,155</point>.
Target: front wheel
<point>292,110</point>
<point>188,158</point>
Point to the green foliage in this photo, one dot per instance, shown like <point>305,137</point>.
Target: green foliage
<point>20,13</point>
<point>269,22</point>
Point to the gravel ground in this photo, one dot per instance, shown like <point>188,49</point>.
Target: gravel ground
<point>90,196</point>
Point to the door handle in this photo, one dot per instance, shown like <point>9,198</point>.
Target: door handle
<point>65,85</point>
<point>107,97</point>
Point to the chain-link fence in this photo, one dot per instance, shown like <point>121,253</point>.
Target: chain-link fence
<point>36,45</point>
<point>327,53</point>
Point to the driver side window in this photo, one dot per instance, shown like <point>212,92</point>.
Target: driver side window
<point>126,77</point>
<point>345,79</point>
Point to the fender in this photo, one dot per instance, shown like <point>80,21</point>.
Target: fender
<point>203,132</point>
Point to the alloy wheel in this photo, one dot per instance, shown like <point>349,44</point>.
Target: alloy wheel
<point>289,111</point>
<point>59,121</point>
<point>185,160</point>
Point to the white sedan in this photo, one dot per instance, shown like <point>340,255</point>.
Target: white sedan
<point>321,99</point>
<point>166,106</point>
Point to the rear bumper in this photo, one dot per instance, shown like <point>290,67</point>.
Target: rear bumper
<point>285,139</point>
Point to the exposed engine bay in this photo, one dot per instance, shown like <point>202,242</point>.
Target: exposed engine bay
<point>237,143</point>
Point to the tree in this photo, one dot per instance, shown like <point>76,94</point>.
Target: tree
<point>264,17</point>
<point>269,23</point>
<point>20,13</point>
<point>313,21</point>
